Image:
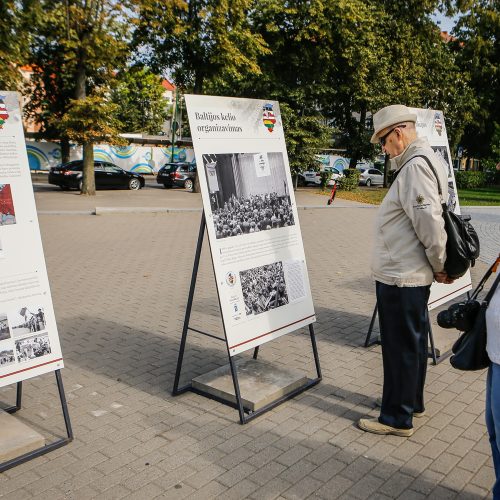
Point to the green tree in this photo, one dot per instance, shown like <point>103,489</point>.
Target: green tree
<point>76,51</point>
<point>17,18</point>
<point>139,97</point>
<point>198,40</point>
<point>478,49</point>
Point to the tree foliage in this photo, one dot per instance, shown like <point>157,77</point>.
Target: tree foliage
<point>138,95</point>
<point>198,40</point>
<point>478,32</point>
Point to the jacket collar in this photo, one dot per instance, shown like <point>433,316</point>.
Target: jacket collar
<point>411,150</point>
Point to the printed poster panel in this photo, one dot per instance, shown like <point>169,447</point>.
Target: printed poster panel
<point>252,220</point>
<point>29,342</point>
<point>430,124</point>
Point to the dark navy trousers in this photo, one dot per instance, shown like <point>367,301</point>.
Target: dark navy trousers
<point>403,320</point>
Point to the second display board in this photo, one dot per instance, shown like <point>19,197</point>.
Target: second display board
<point>252,219</point>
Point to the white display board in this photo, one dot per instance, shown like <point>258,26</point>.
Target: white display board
<point>252,219</point>
<point>430,124</point>
<point>29,342</point>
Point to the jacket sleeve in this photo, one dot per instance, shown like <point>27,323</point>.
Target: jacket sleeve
<point>421,202</point>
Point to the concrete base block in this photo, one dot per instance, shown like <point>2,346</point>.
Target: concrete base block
<point>16,438</point>
<point>260,382</point>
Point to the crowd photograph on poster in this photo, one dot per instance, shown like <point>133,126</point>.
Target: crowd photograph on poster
<point>27,319</point>
<point>4,327</point>
<point>264,288</point>
<point>248,193</point>
<point>7,211</point>
<point>7,357</point>
<point>32,347</point>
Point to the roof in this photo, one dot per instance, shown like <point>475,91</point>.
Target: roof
<point>166,84</point>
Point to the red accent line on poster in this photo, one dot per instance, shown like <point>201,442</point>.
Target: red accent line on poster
<point>31,368</point>
<point>447,295</point>
<point>272,331</point>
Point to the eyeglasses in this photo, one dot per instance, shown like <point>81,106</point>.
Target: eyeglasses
<point>384,138</point>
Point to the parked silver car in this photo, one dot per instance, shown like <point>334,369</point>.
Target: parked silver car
<point>371,177</point>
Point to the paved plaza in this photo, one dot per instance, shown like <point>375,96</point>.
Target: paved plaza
<point>120,281</point>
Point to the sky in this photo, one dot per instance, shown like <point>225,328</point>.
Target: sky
<point>446,23</point>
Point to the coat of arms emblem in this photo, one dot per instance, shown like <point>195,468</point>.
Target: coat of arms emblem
<point>268,116</point>
<point>3,112</point>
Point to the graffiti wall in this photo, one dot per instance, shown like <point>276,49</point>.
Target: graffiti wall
<point>141,159</point>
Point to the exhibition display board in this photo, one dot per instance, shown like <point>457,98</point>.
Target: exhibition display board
<point>252,221</point>
<point>250,215</point>
<point>431,124</point>
<point>29,341</point>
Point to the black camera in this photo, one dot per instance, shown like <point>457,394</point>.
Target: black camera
<point>460,316</point>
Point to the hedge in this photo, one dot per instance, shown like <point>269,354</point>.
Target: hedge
<point>470,179</point>
<point>350,180</point>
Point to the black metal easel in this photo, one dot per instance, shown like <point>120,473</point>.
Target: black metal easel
<point>435,358</point>
<point>51,446</point>
<point>245,414</point>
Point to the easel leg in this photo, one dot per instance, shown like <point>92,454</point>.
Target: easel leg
<point>370,329</point>
<point>19,397</point>
<point>256,352</point>
<point>236,384</point>
<point>189,306</point>
<point>315,351</point>
<point>431,340</point>
<point>48,447</point>
<point>64,405</point>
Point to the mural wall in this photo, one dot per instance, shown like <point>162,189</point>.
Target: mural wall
<point>140,159</point>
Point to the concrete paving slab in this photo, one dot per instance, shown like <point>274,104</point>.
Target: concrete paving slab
<point>260,382</point>
<point>16,438</point>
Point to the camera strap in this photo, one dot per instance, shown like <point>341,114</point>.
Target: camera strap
<point>484,279</point>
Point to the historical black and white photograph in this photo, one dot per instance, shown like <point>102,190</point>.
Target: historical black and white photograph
<point>442,152</point>
<point>263,288</point>
<point>32,347</point>
<point>248,193</point>
<point>4,327</point>
<point>27,319</point>
<point>7,357</point>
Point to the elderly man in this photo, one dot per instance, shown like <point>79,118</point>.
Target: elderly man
<point>409,253</point>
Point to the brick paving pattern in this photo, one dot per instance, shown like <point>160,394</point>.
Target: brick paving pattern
<point>119,284</point>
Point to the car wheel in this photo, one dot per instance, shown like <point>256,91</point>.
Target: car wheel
<point>188,184</point>
<point>80,185</point>
<point>368,182</point>
<point>134,184</point>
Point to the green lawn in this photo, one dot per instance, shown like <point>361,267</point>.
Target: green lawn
<point>374,196</point>
<point>480,196</point>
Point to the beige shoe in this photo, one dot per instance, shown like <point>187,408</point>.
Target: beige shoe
<point>375,427</point>
<point>378,403</point>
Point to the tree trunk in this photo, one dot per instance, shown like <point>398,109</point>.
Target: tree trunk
<point>88,181</point>
<point>196,185</point>
<point>65,150</point>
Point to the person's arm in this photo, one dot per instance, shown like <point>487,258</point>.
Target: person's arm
<point>422,203</point>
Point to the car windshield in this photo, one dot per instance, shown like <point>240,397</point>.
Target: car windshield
<point>362,170</point>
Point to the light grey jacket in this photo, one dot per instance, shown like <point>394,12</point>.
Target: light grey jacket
<point>410,239</point>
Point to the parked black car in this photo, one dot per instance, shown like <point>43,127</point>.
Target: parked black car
<point>107,176</point>
<point>177,174</point>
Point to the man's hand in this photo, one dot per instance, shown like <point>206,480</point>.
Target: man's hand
<point>442,277</point>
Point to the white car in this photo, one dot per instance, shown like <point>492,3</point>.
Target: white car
<point>371,177</point>
<point>310,177</point>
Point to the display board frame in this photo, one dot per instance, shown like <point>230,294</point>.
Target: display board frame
<point>245,415</point>
<point>29,340</point>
